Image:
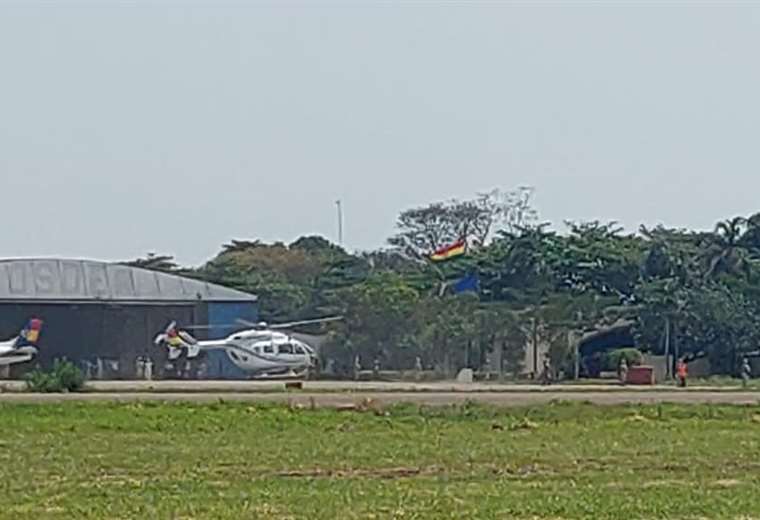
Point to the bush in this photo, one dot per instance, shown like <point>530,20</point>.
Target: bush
<point>611,360</point>
<point>64,377</point>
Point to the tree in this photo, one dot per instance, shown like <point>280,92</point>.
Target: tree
<point>511,211</point>
<point>447,331</point>
<point>518,268</point>
<point>425,229</point>
<point>285,278</point>
<point>155,262</point>
<point>598,257</point>
<point>500,334</point>
<point>724,251</point>
<point>378,322</point>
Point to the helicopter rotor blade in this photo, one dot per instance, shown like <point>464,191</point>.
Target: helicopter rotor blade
<point>207,327</point>
<point>289,324</point>
<point>305,322</point>
<point>247,323</point>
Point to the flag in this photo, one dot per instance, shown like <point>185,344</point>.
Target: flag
<point>468,283</point>
<point>444,253</point>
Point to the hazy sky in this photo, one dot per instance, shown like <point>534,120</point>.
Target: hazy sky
<point>158,127</point>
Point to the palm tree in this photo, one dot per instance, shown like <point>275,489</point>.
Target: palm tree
<point>724,249</point>
<point>751,237</point>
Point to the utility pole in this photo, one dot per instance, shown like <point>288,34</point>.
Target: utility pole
<point>576,345</point>
<point>534,326</point>
<point>340,222</point>
<point>573,346</point>
<point>668,371</point>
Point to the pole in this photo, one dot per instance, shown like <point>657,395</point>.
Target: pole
<point>577,345</point>
<point>668,372</point>
<point>674,339</point>
<point>340,222</point>
<point>573,346</point>
<point>535,347</point>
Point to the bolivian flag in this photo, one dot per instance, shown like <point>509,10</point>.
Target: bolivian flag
<point>444,253</point>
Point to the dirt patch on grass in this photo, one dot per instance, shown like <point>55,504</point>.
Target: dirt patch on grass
<point>360,472</point>
<point>665,483</point>
<point>727,483</point>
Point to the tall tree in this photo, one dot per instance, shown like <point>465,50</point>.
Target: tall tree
<point>724,251</point>
<point>423,230</point>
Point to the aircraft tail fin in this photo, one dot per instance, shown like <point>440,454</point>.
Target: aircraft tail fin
<point>30,334</point>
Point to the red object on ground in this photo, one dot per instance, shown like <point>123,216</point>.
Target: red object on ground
<point>641,375</point>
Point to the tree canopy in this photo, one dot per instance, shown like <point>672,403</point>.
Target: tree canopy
<point>693,293</point>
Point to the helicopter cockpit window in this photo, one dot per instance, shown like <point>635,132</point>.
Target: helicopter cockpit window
<point>268,349</point>
<point>300,350</point>
<point>285,348</point>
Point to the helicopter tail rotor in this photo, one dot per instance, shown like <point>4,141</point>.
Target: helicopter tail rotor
<point>176,341</point>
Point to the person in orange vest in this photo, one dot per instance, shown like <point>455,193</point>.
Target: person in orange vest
<point>682,372</point>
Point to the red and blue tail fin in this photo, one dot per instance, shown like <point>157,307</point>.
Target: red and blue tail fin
<point>30,334</point>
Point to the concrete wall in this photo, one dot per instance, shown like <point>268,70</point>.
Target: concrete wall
<point>699,368</point>
<point>660,364</point>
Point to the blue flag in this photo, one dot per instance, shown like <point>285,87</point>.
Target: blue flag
<point>468,283</point>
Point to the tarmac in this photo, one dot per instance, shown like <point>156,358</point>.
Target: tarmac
<point>342,394</point>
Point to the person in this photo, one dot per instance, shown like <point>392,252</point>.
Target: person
<point>418,368</point>
<point>148,369</point>
<point>202,370</point>
<point>139,367</point>
<point>623,370</point>
<point>376,368</point>
<point>746,372</point>
<point>546,373</point>
<point>315,369</point>
<point>357,368</point>
<point>682,373</point>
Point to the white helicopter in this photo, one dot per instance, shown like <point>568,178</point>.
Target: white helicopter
<point>23,347</point>
<point>259,350</point>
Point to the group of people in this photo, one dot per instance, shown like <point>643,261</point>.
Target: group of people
<point>682,371</point>
<point>745,372</point>
<point>375,368</point>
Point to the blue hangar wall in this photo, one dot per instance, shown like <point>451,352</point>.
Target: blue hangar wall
<point>222,320</point>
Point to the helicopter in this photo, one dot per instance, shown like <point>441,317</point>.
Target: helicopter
<point>22,347</point>
<point>259,350</point>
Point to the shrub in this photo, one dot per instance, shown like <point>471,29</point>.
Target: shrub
<point>611,360</point>
<point>64,377</point>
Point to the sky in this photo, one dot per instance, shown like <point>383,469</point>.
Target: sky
<point>173,127</point>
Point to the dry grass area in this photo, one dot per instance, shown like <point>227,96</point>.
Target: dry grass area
<point>558,461</point>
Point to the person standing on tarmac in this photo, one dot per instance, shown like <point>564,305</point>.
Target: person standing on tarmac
<point>682,373</point>
<point>746,372</point>
<point>623,370</point>
<point>546,372</point>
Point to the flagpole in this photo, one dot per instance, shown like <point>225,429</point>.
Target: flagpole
<point>340,222</point>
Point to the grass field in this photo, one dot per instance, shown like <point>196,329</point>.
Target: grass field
<point>238,461</point>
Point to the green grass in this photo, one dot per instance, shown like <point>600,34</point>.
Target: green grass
<point>239,461</point>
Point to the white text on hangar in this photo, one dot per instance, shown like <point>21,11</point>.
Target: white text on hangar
<point>64,280</point>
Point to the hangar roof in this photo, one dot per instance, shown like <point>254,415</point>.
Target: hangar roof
<point>63,280</point>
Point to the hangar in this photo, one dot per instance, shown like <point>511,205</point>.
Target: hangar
<point>106,314</point>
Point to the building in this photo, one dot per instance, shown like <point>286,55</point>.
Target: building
<point>105,315</point>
